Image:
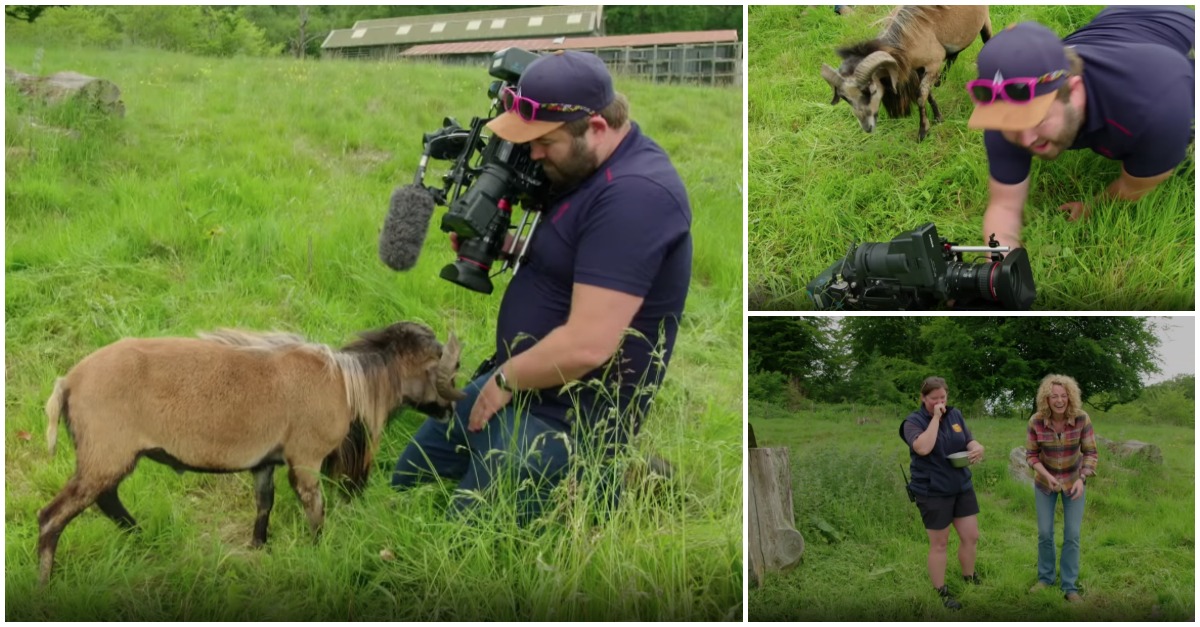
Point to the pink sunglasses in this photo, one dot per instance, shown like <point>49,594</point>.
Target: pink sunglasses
<point>985,91</point>
<point>528,108</point>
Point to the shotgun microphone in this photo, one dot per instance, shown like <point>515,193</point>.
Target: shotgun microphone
<point>409,212</point>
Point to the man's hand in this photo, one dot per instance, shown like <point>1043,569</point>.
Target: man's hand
<point>490,401</point>
<point>1076,210</point>
<point>505,251</point>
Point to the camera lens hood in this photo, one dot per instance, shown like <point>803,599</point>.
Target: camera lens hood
<point>1012,281</point>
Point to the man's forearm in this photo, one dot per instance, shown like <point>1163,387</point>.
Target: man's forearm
<point>1130,188</point>
<point>557,359</point>
<point>1005,223</point>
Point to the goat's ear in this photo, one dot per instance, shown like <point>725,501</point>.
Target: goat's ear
<point>894,76</point>
<point>833,78</point>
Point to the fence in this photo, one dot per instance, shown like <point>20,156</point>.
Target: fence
<point>717,64</point>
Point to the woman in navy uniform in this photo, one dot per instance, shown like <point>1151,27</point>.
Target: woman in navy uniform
<point>943,493</point>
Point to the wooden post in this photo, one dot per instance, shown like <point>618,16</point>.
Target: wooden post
<point>774,543</point>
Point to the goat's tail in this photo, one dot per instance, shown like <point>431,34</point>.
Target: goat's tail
<point>56,406</point>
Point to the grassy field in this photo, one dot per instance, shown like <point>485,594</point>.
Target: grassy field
<point>818,183</point>
<point>1138,547</point>
<point>250,193</point>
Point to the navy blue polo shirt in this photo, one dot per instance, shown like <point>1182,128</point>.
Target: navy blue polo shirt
<point>1140,92</point>
<point>932,474</point>
<point>625,228</point>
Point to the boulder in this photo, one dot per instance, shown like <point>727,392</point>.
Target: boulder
<point>1134,448</point>
<point>1018,467</point>
<point>69,86</point>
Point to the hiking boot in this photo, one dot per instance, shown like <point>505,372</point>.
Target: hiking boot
<point>972,579</point>
<point>1038,587</point>
<point>1073,597</point>
<point>947,600</point>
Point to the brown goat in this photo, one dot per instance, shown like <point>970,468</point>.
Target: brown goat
<point>234,401</point>
<point>900,67</point>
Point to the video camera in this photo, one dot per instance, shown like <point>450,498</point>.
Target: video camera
<point>489,177</point>
<point>919,270</point>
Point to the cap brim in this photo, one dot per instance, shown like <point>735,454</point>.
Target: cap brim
<point>1003,115</point>
<point>510,127</point>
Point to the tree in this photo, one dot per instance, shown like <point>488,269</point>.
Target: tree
<point>798,347</point>
<point>1002,360</point>
<point>887,336</point>
<point>27,13</point>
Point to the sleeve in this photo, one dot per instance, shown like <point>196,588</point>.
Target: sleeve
<point>966,429</point>
<point>1007,163</point>
<point>1163,144</point>
<point>1087,445</point>
<point>627,235</point>
<point>1031,445</point>
<point>912,431</point>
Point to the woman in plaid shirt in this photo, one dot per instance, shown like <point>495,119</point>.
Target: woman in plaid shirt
<point>1061,448</point>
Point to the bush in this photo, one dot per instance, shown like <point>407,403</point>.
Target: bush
<point>769,387</point>
<point>207,31</point>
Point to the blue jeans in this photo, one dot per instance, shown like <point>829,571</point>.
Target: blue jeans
<point>533,452</point>
<point>1072,521</point>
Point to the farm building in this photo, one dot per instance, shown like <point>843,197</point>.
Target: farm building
<point>705,57</point>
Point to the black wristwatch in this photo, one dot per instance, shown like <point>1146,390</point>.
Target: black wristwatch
<point>502,382</point>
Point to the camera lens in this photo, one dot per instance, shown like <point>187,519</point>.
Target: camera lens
<point>880,260</point>
<point>1008,282</point>
<point>468,274</point>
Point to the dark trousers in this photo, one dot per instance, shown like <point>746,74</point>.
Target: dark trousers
<point>532,452</point>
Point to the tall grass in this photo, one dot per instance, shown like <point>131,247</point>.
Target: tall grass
<point>1138,545</point>
<point>250,193</point>
<point>818,183</point>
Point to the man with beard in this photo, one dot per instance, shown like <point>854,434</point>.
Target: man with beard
<point>1122,85</point>
<point>587,326</point>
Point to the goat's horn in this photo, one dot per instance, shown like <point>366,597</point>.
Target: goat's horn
<point>833,78</point>
<point>447,366</point>
<point>867,66</point>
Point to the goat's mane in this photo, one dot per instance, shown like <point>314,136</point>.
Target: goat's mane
<point>270,340</point>
<point>373,381</point>
<point>364,368</point>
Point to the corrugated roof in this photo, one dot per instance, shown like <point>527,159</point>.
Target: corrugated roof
<point>571,43</point>
<point>476,15</point>
<point>515,23</point>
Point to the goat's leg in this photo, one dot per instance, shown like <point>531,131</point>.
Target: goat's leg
<point>264,491</point>
<point>112,507</point>
<point>307,484</point>
<point>928,76</point>
<point>75,497</point>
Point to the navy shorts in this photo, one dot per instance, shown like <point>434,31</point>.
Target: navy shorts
<point>939,511</point>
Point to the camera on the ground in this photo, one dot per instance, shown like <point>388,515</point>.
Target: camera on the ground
<point>919,270</point>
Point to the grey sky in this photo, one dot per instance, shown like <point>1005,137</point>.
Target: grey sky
<point>1177,350</point>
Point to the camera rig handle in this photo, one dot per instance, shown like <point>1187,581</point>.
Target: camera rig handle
<point>993,247</point>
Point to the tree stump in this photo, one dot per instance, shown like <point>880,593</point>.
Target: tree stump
<point>775,545</point>
<point>1018,467</point>
<point>63,87</point>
